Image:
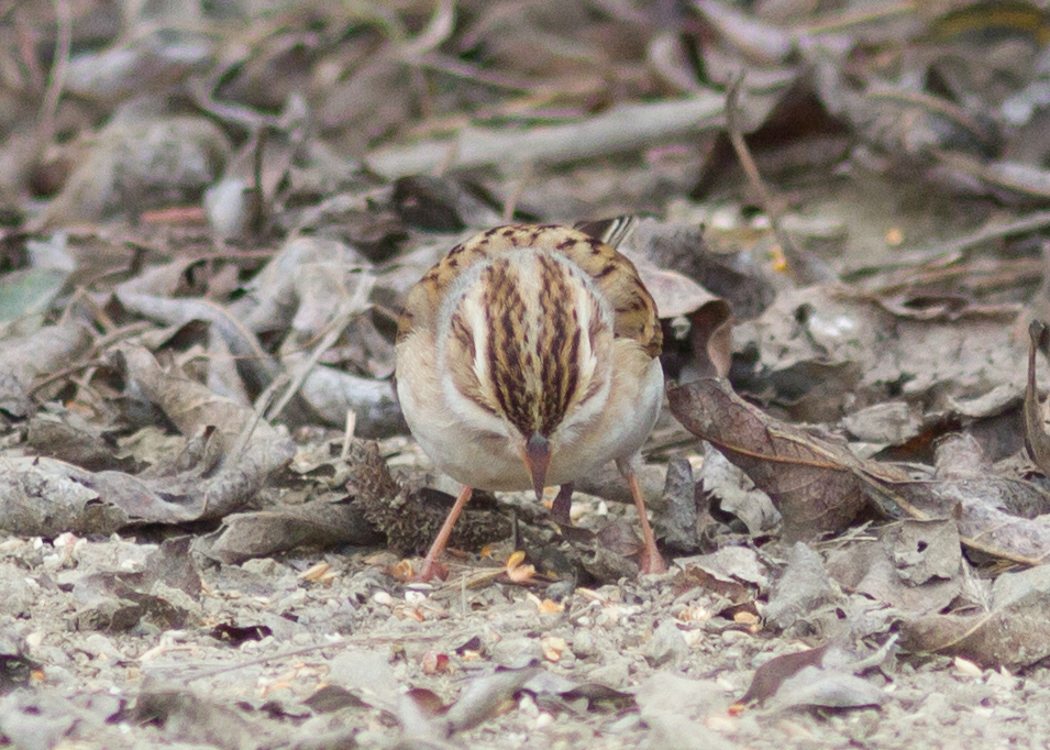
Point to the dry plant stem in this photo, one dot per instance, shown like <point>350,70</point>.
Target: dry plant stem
<point>337,643</point>
<point>996,231</point>
<point>348,433</point>
<point>454,67</point>
<point>621,128</point>
<point>1036,439</point>
<point>470,580</point>
<point>57,77</point>
<point>842,21</point>
<point>258,206</point>
<point>81,297</point>
<point>350,308</point>
<point>932,104</point>
<point>103,343</point>
<point>430,563</point>
<point>64,373</point>
<point>264,400</point>
<point>202,90</point>
<point>26,40</point>
<point>803,268</point>
<point>448,158</point>
<point>515,194</point>
<point>994,174</point>
<point>1042,297</point>
<point>436,32</point>
<point>1038,307</point>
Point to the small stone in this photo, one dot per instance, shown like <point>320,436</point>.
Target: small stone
<point>515,653</point>
<point>260,566</point>
<point>667,646</point>
<point>584,645</point>
<point>611,675</point>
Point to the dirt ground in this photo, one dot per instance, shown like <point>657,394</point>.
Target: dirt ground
<point>624,665</point>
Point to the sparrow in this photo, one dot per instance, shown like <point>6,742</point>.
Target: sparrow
<point>527,357</point>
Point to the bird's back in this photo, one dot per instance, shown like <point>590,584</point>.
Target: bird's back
<point>634,312</point>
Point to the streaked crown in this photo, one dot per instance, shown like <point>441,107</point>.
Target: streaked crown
<point>524,318</point>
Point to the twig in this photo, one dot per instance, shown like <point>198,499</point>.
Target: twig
<point>1029,182</point>
<point>258,203</point>
<point>64,373</point>
<point>261,403</point>
<point>437,30</point>
<point>338,643</point>
<point>993,232</point>
<point>348,310</point>
<point>57,75</point>
<point>516,191</point>
<point>348,433</point>
<point>990,232</point>
<point>804,268</point>
<point>622,128</point>
<point>863,14</point>
<point>454,67</point>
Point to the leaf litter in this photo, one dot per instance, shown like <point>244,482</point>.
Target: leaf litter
<point>209,217</point>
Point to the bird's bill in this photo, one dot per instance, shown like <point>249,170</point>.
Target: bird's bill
<point>537,455</point>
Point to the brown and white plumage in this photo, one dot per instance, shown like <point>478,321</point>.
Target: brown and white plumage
<point>528,356</point>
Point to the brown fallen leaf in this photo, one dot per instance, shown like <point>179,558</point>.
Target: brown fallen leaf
<point>329,698</point>
<point>827,676</point>
<point>815,485</point>
<point>251,448</point>
<point>42,352</point>
<point>771,674</point>
<point>802,593</point>
<point>695,577</point>
<point>198,719</point>
<point>993,514</point>
<point>322,523</point>
<point>69,437</point>
<point>1013,633</point>
<point>819,487</point>
<point>41,496</point>
<point>827,688</point>
<point>485,696</point>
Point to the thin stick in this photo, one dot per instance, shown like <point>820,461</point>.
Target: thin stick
<point>349,309</point>
<point>348,433</point>
<point>57,75</point>
<point>516,191</point>
<point>626,127</point>
<point>996,231</point>
<point>804,268</point>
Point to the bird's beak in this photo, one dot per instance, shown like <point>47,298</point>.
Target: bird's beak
<point>537,460</point>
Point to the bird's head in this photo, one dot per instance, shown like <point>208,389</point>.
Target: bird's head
<point>529,349</point>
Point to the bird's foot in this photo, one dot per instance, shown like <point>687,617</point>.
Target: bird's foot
<point>429,570</point>
<point>651,561</point>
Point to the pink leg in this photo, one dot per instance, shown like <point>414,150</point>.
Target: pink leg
<point>652,561</point>
<point>437,547</point>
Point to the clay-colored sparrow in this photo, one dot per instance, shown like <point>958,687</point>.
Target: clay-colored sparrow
<point>527,357</point>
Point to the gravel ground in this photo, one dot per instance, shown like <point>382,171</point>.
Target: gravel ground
<point>331,651</point>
